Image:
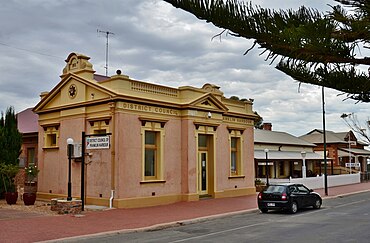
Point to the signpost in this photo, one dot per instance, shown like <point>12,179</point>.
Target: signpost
<point>91,141</point>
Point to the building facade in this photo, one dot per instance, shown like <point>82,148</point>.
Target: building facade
<point>283,155</point>
<point>348,154</point>
<point>165,144</point>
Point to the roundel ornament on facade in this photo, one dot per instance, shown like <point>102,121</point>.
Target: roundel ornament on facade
<point>72,91</point>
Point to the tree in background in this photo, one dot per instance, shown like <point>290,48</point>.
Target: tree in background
<point>257,123</point>
<point>312,47</point>
<point>10,138</point>
<point>355,125</point>
<point>10,149</point>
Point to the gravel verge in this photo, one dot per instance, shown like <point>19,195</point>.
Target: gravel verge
<point>41,207</point>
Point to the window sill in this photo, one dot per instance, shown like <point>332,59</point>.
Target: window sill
<point>49,148</point>
<point>236,176</point>
<point>152,181</point>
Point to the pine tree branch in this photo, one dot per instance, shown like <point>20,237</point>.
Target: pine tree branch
<point>314,48</point>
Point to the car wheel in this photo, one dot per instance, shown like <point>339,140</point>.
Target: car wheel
<point>293,207</point>
<point>264,210</point>
<point>317,204</point>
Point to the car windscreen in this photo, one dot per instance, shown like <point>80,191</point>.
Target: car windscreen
<point>275,188</point>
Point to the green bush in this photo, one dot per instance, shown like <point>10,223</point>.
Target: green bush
<point>7,176</point>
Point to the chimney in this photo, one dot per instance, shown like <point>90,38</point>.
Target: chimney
<point>267,126</point>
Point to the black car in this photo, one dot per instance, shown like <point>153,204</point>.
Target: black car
<point>289,197</point>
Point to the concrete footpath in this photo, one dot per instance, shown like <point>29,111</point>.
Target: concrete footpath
<point>50,228</point>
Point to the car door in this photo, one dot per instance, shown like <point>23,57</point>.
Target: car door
<point>311,198</point>
<point>305,196</point>
<point>295,195</point>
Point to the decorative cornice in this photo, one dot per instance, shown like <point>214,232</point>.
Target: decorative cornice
<point>106,119</point>
<point>231,128</point>
<point>45,126</point>
<point>145,119</point>
<point>197,124</point>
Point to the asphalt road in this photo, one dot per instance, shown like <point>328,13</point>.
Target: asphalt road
<point>344,219</point>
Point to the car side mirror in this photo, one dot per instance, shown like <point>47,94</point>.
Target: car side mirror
<point>311,190</point>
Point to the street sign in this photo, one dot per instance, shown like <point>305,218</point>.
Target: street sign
<point>352,164</point>
<point>101,142</point>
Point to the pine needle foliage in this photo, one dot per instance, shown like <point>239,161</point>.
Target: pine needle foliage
<point>310,46</point>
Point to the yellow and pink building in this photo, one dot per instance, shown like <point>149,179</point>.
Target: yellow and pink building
<point>166,144</point>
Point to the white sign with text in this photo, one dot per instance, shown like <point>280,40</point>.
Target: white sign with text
<point>352,164</point>
<point>97,142</point>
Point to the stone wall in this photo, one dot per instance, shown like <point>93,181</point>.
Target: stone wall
<point>62,206</point>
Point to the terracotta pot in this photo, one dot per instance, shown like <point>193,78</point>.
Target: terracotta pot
<point>11,197</point>
<point>29,198</point>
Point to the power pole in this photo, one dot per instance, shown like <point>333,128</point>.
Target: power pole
<point>107,33</point>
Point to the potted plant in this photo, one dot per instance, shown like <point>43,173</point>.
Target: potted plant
<point>30,185</point>
<point>8,173</point>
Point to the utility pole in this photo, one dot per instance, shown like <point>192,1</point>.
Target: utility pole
<point>324,140</point>
<point>107,33</point>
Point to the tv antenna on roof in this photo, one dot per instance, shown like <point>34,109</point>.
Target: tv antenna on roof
<point>107,33</point>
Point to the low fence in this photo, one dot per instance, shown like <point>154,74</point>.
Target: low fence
<point>365,176</point>
<point>319,181</point>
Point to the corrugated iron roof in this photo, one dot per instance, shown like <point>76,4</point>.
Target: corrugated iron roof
<point>316,138</point>
<point>283,138</point>
<point>354,151</point>
<point>27,121</point>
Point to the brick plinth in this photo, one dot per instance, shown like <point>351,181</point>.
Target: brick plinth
<point>62,206</point>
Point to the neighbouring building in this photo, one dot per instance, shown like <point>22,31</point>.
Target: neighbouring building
<point>28,126</point>
<point>343,147</point>
<point>282,154</point>
<point>165,144</point>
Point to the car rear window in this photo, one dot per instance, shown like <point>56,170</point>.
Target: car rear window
<point>279,189</point>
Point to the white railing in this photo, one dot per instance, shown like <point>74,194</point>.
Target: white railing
<point>319,181</point>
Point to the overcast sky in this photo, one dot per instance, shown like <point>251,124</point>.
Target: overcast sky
<point>158,43</point>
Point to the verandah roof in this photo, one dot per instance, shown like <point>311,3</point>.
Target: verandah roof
<point>343,152</point>
<point>286,155</point>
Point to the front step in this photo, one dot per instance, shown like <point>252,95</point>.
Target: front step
<point>205,196</point>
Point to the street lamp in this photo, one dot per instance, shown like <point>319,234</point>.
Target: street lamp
<point>344,116</point>
<point>70,149</point>
<point>303,153</point>
<point>267,167</point>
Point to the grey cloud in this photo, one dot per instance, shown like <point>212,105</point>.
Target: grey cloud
<point>153,42</point>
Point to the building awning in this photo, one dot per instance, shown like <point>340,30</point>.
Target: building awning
<point>286,155</point>
<point>343,152</point>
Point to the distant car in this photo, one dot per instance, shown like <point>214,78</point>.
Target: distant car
<point>289,197</point>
